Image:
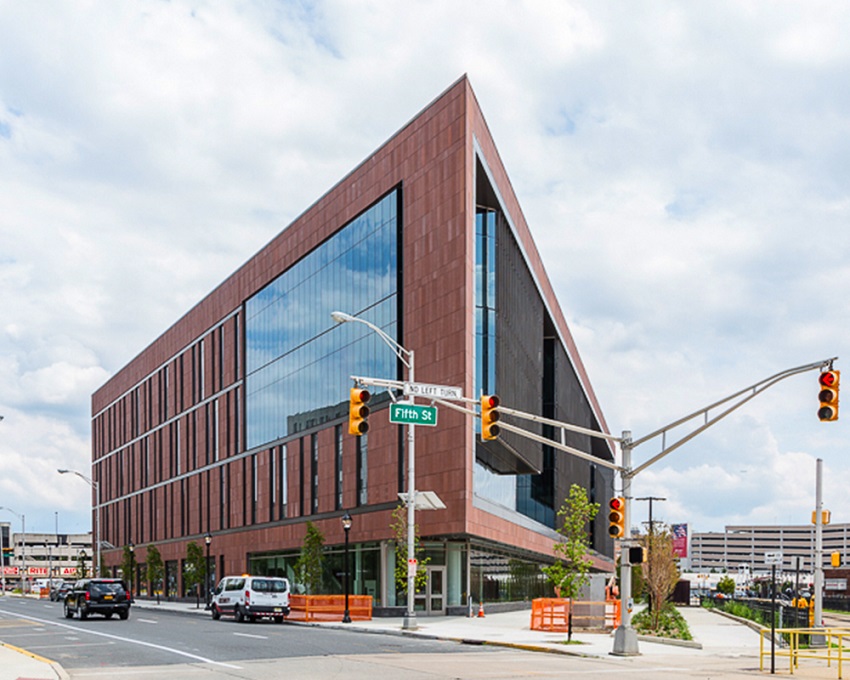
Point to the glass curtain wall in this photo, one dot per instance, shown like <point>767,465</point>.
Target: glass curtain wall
<point>298,360</point>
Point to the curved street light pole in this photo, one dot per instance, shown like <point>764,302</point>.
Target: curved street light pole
<point>406,358</point>
<point>96,486</point>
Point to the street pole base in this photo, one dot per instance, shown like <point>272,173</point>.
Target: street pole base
<point>409,622</point>
<point>625,642</point>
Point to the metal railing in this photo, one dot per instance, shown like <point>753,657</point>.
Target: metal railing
<point>832,645</point>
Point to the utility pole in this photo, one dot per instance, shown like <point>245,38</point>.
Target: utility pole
<point>818,585</point>
<point>649,544</point>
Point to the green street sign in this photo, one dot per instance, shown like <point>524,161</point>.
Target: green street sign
<point>411,414</point>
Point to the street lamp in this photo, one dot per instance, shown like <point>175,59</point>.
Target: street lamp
<point>21,517</point>
<point>346,524</point>
<point>207,540</point>
<point>132,576</point>
<point>96,486</point>
<point>406,358</point>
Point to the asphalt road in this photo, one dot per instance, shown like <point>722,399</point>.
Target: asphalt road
<point>173,646</point>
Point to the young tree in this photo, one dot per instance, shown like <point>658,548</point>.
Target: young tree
<point>127,568</point>
<point>195,570</point>
<point>399,528</point>
<point>156,570</point>
<point>726,585</point>
<point>660,570</point>
<point>308,568</point>
<point>570,572</point>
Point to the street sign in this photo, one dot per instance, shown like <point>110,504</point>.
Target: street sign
<point>405,413</point>
<point>413,389</point>
<point>773,558</point>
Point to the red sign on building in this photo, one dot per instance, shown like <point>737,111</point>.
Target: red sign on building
<point>680,540</point>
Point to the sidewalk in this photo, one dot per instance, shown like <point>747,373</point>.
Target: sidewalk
<point>713,634</point>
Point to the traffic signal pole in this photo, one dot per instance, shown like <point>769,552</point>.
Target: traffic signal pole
<point>625,637</point>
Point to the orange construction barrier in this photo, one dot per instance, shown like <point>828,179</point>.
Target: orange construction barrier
<point>329,607</point>
<point>553,614</point>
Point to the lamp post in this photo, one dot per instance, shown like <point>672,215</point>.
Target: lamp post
<point>96,486</point>
<point>406,358</point>
<point>2,561</point>
<point>21,517</point>
<point>207,540</point>
<point>346,524</point>
<point>132,576</point>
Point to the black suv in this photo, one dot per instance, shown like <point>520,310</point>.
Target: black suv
<point>105,596</point>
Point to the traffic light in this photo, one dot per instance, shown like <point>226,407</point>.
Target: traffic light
<point>617,517</point>
<point>358,412</point>
<point>489,417</point>
<point>828,396</point>
<point>836,559</point>
<point>637,554</point>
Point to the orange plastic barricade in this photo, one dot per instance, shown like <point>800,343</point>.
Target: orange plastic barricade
<point>329,607</point>
<point>552,614</point>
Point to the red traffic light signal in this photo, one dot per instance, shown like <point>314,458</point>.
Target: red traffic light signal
<point>490,417</point>
<point>617,517</point>
<point>828,395</point>
<point>358,412</point>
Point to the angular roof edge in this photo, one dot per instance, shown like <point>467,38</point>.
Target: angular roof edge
<point>501,183</point>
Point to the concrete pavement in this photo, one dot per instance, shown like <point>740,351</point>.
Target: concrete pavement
<point>714,636</point>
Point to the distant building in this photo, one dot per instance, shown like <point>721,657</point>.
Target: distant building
<point>746,545</point>
<point>42,555</point>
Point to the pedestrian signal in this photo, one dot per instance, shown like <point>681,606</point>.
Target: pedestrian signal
<point>617,517</point>
<point>490,417</point>
<point>358,412</point>
<point>828,395</point>
<point>637,554</point>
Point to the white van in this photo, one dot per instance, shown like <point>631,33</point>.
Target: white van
<point>250,597</point>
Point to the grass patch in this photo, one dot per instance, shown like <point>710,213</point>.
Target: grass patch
<point>671,624</point>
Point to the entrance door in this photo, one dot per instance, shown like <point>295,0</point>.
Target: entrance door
<point>435,591</point>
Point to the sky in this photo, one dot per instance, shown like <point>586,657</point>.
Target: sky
<point>684,169</point>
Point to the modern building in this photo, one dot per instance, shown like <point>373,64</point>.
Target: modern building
<point>745,546</point>
<point>234,422</point>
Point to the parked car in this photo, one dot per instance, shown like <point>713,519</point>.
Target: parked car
<point>251,597</point>
<point>106,596</point>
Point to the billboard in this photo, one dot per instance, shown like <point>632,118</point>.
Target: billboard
<point>680,540</point>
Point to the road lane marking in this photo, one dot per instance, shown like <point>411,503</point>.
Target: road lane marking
<point>256,637</point>
<point>147,621</point>
<point>141,643</point>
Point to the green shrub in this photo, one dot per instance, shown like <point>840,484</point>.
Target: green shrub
<point>671,624</point>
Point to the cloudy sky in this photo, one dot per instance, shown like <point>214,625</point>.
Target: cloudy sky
<point>684,168</point>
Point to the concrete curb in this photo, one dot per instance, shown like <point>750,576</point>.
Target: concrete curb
<point>61,673</point>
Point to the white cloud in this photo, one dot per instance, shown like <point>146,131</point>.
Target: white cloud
<point>683,170</point>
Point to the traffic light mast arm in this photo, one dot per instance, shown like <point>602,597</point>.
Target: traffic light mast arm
<point>753,391</point>
<point>562,447</point>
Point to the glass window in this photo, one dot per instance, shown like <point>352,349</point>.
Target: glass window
<point>299,361</point>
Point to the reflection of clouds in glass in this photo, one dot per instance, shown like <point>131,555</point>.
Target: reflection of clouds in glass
<point>299,361</point>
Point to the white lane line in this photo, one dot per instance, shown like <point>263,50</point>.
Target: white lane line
<point>147,621</point>
<point>256,637</point>
<point>124,639</point>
